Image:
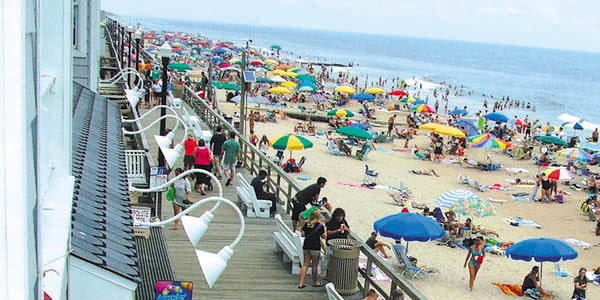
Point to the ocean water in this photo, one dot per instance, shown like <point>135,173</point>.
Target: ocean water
<point>553,81</point>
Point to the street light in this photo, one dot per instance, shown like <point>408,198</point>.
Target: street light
<point>243,88</point>
<point>137,36</point>
<point>130,30</point>
<point>212,264</point>
<point>165,53</point>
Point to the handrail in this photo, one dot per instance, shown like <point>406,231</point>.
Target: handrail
<point>112,45</point>
<point>122,74</point>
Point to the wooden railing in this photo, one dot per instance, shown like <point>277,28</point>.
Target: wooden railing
<point>286,187</point>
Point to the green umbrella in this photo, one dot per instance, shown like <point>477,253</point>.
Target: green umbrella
<point>548,139</point>
<point>276,47</point>
<point>216,84</point>
<point>291,142</point>
<point>264,80</point>
<point>354,131</point>
<point>340,112</point>
<point>180,66</point>
<point>306,77</point>
<point>229,86</point>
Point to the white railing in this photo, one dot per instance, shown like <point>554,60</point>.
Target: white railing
<point>136,162</point>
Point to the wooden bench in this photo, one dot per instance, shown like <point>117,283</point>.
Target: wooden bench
<point>290,243</point>
<point>255,208</point>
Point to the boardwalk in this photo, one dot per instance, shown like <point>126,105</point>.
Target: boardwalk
<point>253,272</point>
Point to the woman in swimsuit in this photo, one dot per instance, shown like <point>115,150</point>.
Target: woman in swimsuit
<point>474,258</point>
<point>546,188</point>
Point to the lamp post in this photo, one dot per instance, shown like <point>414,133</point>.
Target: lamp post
<point>121,38</point>
<point>130,30</point>
<point>243,89</point>
<point>137,36</point>
<point>165,53</point>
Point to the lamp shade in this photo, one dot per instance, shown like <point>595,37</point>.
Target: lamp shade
<point>212,264</point>
<point>137,35</point>
<point>196,227</point>
<point>133,97</point>
<point>165,50</point>
<point>164,141</point>
<point>172,155</point>
<point>130,28</point>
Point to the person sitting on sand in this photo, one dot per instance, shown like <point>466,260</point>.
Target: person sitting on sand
<point>343,147</point>
<point>378,246</point>
<point>422,156</point>
<point>531,284</point>
<point>421,172</point>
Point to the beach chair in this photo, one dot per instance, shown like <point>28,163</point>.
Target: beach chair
<point>560,272</point>
<point>332,149</point>
<point>362,153</point>
<point>409,268</point>
<point>332,294</point>
<point>278,159</point>
<point>301,162</point>
<point>370,176</point>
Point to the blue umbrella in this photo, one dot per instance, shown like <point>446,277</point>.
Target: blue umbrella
<point>541,250</point>
<point>410,227</point>
<point>573,125</point>
<point>360,125</point>
<point>418,102</point>
<point>447,199</point>
<point>458,112</point>
<point>469,126</point>
<point>330,84</point>
<point>257,99</point>
<point>497,117</point>
<point>363,97</point>
<point>216,59</point>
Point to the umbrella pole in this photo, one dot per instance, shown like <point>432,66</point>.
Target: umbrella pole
<point>541,271</point>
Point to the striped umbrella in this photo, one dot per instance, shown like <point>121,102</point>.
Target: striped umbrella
<point>558,174</point>
<point>488,141</point>
<point>423,108</point>
<point>474,207</point>
<point>575,154</point>
<point>291,142</point>
<point>340,112</point>
<point>448,199</point>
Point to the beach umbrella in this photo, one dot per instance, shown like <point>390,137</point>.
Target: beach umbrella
<point>330,85</point>
<point>575,154</point>
<point>362,126</point>
<point>496,117</point>
<point>399,93</point>
<point>458,112</point>
<point>179,66</point>
<point>256,63</point>
<point>307,88</point>
<point>363,97</point>
<point>340,112</point>
<point>317,98</point>
<point>284,67</point>
<point>354,132</point>
<point>430,126</point>
<point>375,90</point>
<point>541,250</point>
<point>264,80</point>
<point>549,139</point>
<point>591,147</point>
<point>447,199</point>
<point>474,207</point>
<point>291,142</point>
<point>276,47</point>
<point>279,90</point>
<point>224,65</point>
<point>255,100</point>
<point>309,84</point>
<point>449,131</point>
<point>289,84</point>
<point>289,74</point>
<point>469,126</point>
<point>277,79</point>
<point>409,227</point>
<point>558,174</point>
<point>488,141</point>
<point>271,62</point>
<point>423,108</point>
<point>306,77</point>
<point>345,89</point>
<point>278,72</point>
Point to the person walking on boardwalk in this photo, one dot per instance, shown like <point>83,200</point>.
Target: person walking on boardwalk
<point>474,259</point>
<point>305,196</point>
<point>216,141</point>
<point>312,231</point>
<point>231,154</point>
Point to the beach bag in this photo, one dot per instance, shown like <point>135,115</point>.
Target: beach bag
<point>559,198</point>
<point>170,194</point>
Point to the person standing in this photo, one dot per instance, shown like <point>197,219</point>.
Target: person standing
<point>181,197</point>
<point>190,145</point>
<point>203,159</point>
<point>258,183</point>
<point>312,231</point>
<point>337,227</point>
<point>305,196</point>
<point>579,285</point>
<point>263,145</point>
<point>474,258</point>
<point>216,141</point>
<point>391,125</point>
<point>231,154</point>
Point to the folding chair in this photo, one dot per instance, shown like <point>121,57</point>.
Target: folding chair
<point>370,176</point>
<point>409,267</point>
<point>362,153</point>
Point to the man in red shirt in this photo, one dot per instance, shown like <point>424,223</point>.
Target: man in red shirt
<point>190,145</point>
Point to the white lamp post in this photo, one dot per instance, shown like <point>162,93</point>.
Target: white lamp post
<point>165,53</point>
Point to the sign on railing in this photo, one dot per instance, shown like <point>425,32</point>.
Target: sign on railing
<point>158,177</point>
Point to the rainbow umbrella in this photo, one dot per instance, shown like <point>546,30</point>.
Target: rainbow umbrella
<point>340,112</point>
<point>423,108</point>
<point>488,141</point>
<point>291,142</point>
<point>575,154</point>
<point>474,207</point>
<point>558,174</point>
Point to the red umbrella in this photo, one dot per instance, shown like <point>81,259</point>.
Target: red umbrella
<point>519,122</point>
<point>256,63</point>
<point>399,93</point>
<point>224,65</point>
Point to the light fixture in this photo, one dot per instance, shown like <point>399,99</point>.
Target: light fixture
<point>164,141</point>
<point>165,50</point>
<point>137,35</point>
<point>172,155</point>
<point>179,120</point>
<point>212,264</point>
<point>130,28</point>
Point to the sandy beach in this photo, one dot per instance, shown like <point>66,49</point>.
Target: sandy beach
<point>363,206</point>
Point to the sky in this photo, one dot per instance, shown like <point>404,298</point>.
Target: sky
<point>558,24</point>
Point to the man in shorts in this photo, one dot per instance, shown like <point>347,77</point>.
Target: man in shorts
<point>231,153</point>
<point>305,196</point>
<point>216,141</point>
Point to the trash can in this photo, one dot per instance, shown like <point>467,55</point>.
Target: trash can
<point>343,265</point>
<point>236,125</point>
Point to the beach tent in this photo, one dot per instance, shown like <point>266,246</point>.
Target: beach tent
<point>469,126</point>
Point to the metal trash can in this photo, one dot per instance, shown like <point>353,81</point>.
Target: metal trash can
<point>343,265</point>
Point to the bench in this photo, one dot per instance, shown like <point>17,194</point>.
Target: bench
<point>255,208</point>
<point>290,243</point>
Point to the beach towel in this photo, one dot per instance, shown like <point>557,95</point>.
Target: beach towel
<point>515,290</point>
<point>518,221</point>
<point>578,243</point>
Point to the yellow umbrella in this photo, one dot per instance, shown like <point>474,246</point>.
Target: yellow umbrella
<point>271,62</point>
<point>278,72</point>
<point>430,126</point>
<point>289,84</point>
<point>289,74</point>
<point>234,60</point>
<point>375,90</point>
<point>449,131</point>
<point>411,100</point>
<point>279,90</point>
<point>344,89</point>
